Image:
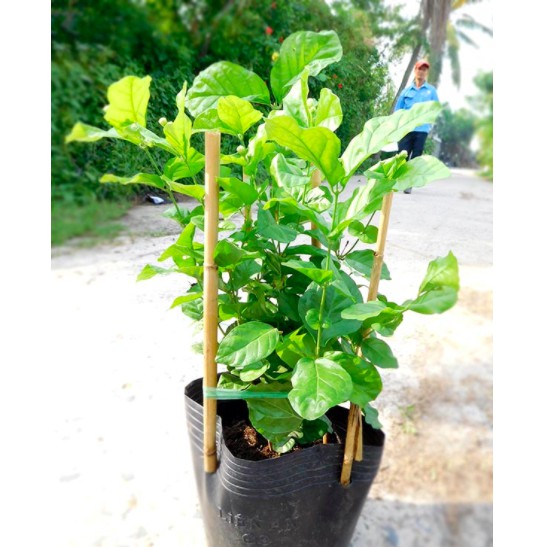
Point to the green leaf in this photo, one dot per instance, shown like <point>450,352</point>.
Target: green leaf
<point>82,132</point>
<point>243,190</point>
<point>237,114</point>
<point>366,381</point>
<point>329,110</point>
<point>294,346</point>
<point>139,178</point>
<point>268,228</point>
<point>318,384</point>
<point>150,271</point>
<point>247,343</point>
<point>379,353</point>
<point>303,50</point>
<point>313,430</point>
<point>309,270</point>
<point>363,261</point>
<point>185,166</point>
<point>228,255</point>
<point>221,80</point>
<point>335,303</point>
<point>318,145</point>
<point>253,371</point>
<point>276,420</point>
<point>178,134</point>
<point>371,417</point>
<point>381,131</point>
<point>231,381</point>
<point>128,100</point>
<point>289,172</point>
<point>366,234</point>
<point>441,272</point>
<point>364,310</point>
<point>185,298</point>
<point>420,171</point>
<point>193,309</point>
<point>196,191</point>
<point>210,121</point>
<point>295,102</point>
<point>434,301</point>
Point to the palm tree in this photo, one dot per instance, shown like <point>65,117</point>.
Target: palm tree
<point>436,26</point>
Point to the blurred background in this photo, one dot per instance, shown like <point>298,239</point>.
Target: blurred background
<point>96,42</point>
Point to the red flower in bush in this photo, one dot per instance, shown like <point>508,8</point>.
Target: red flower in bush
<point>281,39</point>
<point>269,31</point>
<point>274,5</point>
<point>340,86</point>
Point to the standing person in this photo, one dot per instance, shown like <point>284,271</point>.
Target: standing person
<point>420,91</point>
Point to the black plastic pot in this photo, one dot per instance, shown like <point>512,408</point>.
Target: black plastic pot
<point>295,500</point>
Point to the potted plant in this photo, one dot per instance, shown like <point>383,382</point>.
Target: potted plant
<point>284,461</point>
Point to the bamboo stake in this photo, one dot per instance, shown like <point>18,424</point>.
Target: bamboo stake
<point>354,435</point>
<point>210,298</point>
<point>315,182</point>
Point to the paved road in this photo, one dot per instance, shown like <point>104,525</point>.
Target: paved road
<point>121,473</point>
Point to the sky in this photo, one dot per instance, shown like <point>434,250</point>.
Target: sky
<point>472,60</point>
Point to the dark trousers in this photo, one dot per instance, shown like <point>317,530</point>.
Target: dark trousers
<point>413,143</point>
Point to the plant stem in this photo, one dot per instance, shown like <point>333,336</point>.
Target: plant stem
<point>325,285</point>
<point>167,189</point>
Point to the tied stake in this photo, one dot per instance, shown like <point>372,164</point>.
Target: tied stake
<point>210,299</point>
<point>354,438</point>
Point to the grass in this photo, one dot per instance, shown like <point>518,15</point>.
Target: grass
<point>94,222</point>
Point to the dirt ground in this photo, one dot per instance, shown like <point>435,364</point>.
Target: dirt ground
<point>123,474</point>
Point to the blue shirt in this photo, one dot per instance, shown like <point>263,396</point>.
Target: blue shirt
<point>412,95</point>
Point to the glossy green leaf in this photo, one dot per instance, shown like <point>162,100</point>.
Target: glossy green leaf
<point>318,384</point>
<point>243,190</point>
<point>178,134</point>
<point>363,261</point>
<point>335,303</point>
<point>253,371</point>
<point>303,50</point>
<point>309,270</point>
<point>196,191</point>
<point>317,145</point>
<point>371,417</point>
<point>379,353</point>
<point>268,228</point>
<point>434,301</point>
<point>221,80</point>
<point>313,430</point>
<point>185,298</point>
<point>247,343</point>
<point>128,100</point>
<point>295,102</point>
<point>231,381</point>
<point>329,110</point>
<point>441,272</point>
<point>366,234</point>
<point>289,172</point>
<point>366,381</point>
<point>421,171</point>
<point>137,134</point>
<point>150,271</point>
<point>139,178</point>
<point>237,114</point>
<point>193,309</point>
<point>210,121</point>
<point>383,130</point>
<point>229,255</point>
<point>184,166</point>
<point>364,310</point>
<point>82,132</point>
<point>294,346</point>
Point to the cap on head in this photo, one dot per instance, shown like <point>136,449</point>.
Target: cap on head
<point>422,63</point>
